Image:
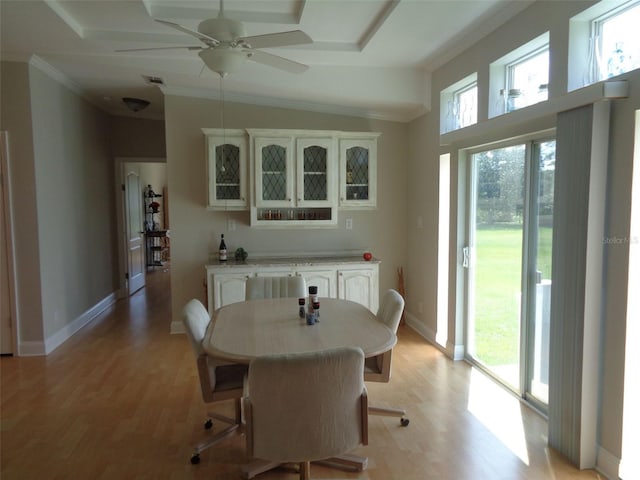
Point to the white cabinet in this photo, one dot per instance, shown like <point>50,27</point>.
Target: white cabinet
<point>226,169</point>
<point>359,285</point>
<point>274,172</point>
<point>324,279</point>
<point>294,175</point>
<point>224,288</point>
<point>315,172</point>
<point>291,177</point>
<point>358,170</point>
<point>352,279</point>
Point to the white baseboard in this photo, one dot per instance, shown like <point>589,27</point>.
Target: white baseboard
<point>455,352</point>
<point>177,327</point>
<point>62,335</point>
<point>607,464</point>
<point>31,349</point>
<point>420,327</point>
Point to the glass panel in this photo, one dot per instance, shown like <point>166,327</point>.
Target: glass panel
<point>467,106</point>
<point>529,80</point>
<point>494,333</point>
<point>357,173</point>
<point>546,159</point>
<point>227,172</point>
<point>619,43</point>
<point>274,172</point>
<point>315,173</point>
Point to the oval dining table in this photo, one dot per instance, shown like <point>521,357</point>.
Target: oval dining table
<point>242,331</point>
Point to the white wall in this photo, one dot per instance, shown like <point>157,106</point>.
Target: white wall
<point>195,232</point>
<point>63,187</point>
<point>16,120</point>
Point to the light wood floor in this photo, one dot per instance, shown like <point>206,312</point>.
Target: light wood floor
<point>120,400</point>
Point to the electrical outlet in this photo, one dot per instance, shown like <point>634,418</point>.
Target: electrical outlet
<point>231,224</point>
<point>419,222</point>
<point>420,307</point>
<point>349,223</point>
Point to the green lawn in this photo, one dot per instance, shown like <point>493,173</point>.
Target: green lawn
<point>497,291</point>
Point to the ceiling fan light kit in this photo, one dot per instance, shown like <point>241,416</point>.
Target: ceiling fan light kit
<point>223,60</point>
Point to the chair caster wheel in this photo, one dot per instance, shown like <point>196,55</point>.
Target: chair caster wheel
<point>404,422</point>
<point>195,459</point>
<point>208,424</point>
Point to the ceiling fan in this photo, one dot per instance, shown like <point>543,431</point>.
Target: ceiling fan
<point>225,45</point>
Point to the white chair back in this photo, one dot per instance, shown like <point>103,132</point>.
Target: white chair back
<point>275,287</point>
<point>306,407</point>
<point>390,311</point>
<point>196,320</point>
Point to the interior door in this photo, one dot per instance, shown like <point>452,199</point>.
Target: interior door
<point>134,220</point>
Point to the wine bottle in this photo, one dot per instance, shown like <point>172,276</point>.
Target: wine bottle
<point>223,249</point>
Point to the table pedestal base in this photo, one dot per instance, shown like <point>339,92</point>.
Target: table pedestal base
<point>352,463</point>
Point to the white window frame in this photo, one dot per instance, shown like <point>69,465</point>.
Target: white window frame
<point>597,25</point>
<point>510,68</point>
<point>449,121</point>
<point>582,69</point>
<point>498,72</point>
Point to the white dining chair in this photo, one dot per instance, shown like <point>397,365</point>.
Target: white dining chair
<point>219,380</point>
<point>306,407</point>
<point>378,368</point>
<point>275,287</point>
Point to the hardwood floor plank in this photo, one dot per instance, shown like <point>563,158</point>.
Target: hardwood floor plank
<point>120,400</point>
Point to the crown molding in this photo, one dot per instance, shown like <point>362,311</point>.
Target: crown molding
<point>294,104</point>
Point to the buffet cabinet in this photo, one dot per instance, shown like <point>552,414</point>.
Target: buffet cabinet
<point>347,278</point>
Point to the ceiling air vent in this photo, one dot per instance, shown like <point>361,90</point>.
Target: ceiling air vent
<point>153,80</point>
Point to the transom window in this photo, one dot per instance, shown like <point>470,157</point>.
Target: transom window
<point>520,78</point>
<point>616,40</point>
<point>459,104</point>
<point>528,79</point>
<point>466,100</point>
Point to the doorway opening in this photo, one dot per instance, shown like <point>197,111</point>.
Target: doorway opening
<point>144,222</point>
<point>509,272</point>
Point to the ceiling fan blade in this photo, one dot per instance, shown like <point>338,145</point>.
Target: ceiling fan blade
<point>159,48</point>
<point>210,41</point>
<point>276,61</point>
<point>281,39</point>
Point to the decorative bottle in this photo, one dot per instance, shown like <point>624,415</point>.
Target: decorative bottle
<point>223,249</point>
<point>313,299</point>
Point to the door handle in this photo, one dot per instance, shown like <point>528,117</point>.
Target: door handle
<point>465,257</point>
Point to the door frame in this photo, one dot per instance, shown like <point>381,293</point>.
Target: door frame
<point>123,265</point>
<point>5,172</point>
<point>525,340</point>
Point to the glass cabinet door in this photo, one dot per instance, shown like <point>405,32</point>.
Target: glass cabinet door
<point>357,172</point>
<point>314,171</point>
<point>273,172</point>
<point>227,170</point>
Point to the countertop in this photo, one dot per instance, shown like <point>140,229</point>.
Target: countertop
<point>292,261</point>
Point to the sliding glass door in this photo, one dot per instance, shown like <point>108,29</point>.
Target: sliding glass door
<point>511,215</point>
